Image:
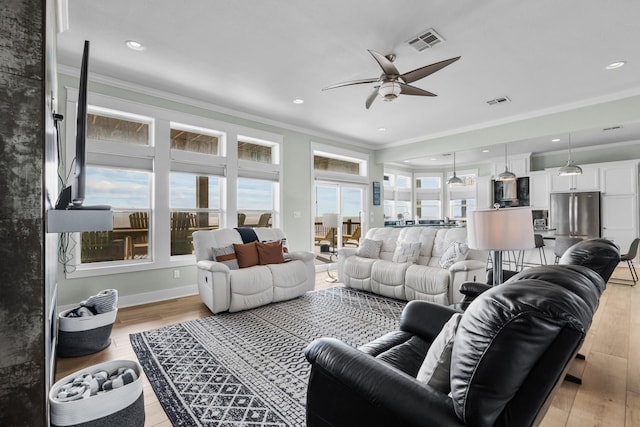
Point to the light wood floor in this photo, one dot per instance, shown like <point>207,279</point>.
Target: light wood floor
<point>609,395</point>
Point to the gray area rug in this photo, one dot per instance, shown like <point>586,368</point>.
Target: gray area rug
<point>248,368</point>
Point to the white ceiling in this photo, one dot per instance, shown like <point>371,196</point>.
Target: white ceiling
<point>256,56</point>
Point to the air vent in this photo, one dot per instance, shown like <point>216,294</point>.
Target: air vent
<point>612,128</point>
<point>427,39</point>
<point>500,100</point>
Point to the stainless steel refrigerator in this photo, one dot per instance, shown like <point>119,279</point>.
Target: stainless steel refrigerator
<point>575,214</point>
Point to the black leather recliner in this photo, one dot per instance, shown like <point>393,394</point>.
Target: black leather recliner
<point>597,254</point>
<point>512,348</point>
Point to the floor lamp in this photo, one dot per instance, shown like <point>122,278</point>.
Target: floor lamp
<point>331,220</point>
<point>497,230</point>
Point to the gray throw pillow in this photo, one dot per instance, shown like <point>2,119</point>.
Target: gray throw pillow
<point>407,252</point>
<point>227,256</point>
<point>369,248</point>
<point>437,364</point>
<point>457,251</point>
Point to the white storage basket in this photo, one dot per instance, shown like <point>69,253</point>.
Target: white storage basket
<point>123,406</point>
<point>79,336</point>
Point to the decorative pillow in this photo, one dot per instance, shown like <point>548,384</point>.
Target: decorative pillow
<point>369,248</point>
<point>407,252</point>
<point>247,254</point>
<point>227,256</point>
<point>437,364</point>
<point>270,253</point>
<point>457,251</point>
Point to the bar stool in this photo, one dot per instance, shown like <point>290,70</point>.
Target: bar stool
<point>540,246</point>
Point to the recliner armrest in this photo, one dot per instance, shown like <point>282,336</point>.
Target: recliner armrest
<point>346,252</point>
<point>348,387</point>
<point>473,289</point>
<point>425,319</point>
<point>212,266</point>
<point>302,255</point>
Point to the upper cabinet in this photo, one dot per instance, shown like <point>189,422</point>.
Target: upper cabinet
<point>539,190</point>
<point>484,189</point>
<point>619,178</point>
<point>588,181</point>
<point>518,164</point>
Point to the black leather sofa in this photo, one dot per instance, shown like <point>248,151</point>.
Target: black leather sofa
<point>511,350</point>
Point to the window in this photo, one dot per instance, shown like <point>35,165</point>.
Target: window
<point>101,127</point>
<point>462,198</point>
<point>255,202</point>
<point>397,196</point>
<point>428,196</point>
<point>195,205</point>
<point>324,163</point>
<point>166,175</point>
<point>194,142</point>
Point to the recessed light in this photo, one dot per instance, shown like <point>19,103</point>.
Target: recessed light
<point>485,151</point>
<point>555,140</point>
<point>134,45</point>
<point>298,101</point>
<point>615,65</point>
<point>382,129</point>
<point>433,158</point>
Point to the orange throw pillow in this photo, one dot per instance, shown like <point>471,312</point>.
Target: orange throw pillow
<point>247,254</point>
<point>270,253</point>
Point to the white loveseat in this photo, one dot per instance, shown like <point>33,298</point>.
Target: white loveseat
<point>424,279</point>
<point>222,288</point>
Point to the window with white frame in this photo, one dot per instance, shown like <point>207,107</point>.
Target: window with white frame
<point>166,174</point>
<point>340,184</point>
<point>195,182</point>
<point>462,198</point>
<point>397,196</point>
<point>428,193</point>
<point>258,182</point>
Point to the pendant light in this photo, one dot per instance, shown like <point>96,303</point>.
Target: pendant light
<point>570,168</point>
<point>454,180</point>
<point>506,175</point>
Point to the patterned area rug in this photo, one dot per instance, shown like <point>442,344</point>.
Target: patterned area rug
<point>248,368</point>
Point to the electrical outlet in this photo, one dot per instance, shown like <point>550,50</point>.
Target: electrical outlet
<point>176,274</point>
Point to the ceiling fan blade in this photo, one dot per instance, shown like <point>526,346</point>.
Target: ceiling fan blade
<point>386,65</point>
<point>422,72</point>
<point>353,82</point>
<point>372,97</point>
<point>412,90</point>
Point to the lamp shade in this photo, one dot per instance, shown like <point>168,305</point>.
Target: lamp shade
<point>501,229</point>
<point>330,220</point>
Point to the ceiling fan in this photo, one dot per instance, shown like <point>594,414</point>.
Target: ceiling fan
<point>392,83</point>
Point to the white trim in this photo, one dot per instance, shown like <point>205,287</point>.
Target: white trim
<point>147,297</point>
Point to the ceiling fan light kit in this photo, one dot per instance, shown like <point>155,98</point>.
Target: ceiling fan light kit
<point>391,83</point>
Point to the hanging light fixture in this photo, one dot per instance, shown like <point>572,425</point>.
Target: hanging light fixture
<point>506,175</point>
<point>454,180</point>
<point>570,168</point>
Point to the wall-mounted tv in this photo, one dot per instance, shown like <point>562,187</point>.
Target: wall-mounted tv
<point>72,196</point>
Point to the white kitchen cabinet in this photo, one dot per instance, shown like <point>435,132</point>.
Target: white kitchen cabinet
<point>619,178</point>
<point>620,219</point>
<point>517,164</point>
<point>588,181</point>
<point>484,188</point>
<point>539,190</point>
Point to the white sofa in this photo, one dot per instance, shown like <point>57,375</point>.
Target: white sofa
<point>223,289</point>
<point>425,279</point>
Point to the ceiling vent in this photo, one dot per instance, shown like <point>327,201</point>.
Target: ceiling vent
<point>500,100</point>
<point>427,39</point>
<point>612,128</point>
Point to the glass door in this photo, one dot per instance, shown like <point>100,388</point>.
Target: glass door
<point>346,200</point>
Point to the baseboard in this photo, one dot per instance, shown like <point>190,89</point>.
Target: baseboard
<point>147,297</point>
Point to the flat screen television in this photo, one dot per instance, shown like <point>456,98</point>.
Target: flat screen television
<point>72,196</point>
